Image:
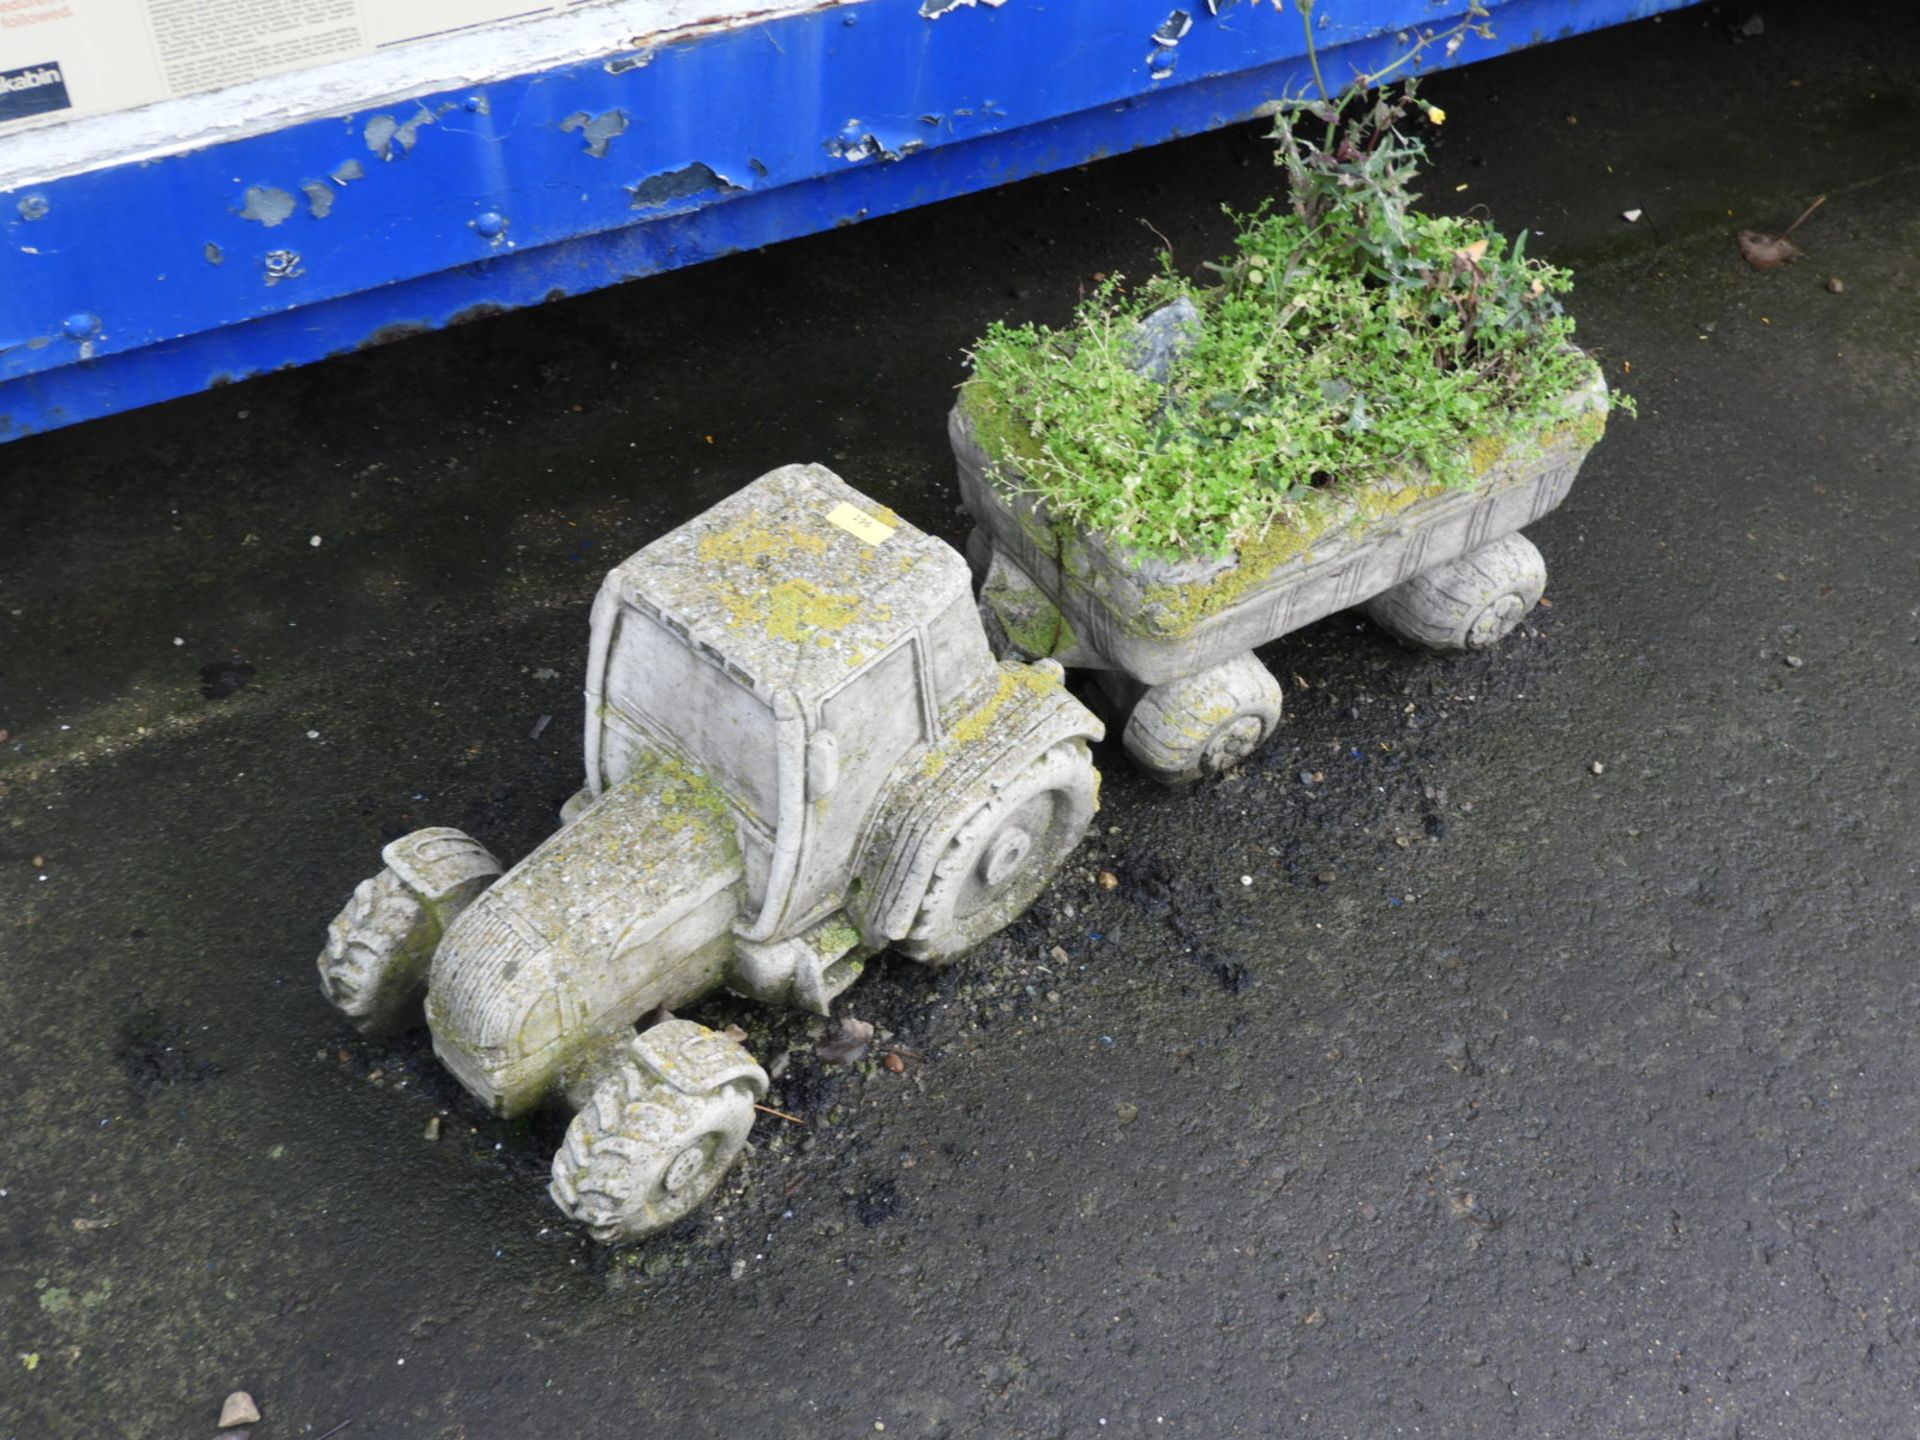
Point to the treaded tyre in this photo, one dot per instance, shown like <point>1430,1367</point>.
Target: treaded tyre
<point>1203,724</point>
<point>374,967</point>
<point>644,1152</point>
<point>1002,855</point>
<point>1472,603</point>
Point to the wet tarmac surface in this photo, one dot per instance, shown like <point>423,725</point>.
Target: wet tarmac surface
<point>1540,1064</point>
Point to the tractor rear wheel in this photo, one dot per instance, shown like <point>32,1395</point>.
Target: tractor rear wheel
<point>1000,857</point>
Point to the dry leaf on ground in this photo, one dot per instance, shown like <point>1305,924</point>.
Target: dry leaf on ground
<point>1767,252</point>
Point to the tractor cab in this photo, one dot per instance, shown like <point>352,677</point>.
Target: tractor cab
<point>796,645</point>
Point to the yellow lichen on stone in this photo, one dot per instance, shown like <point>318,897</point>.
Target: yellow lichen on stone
<point>746,555</point>
<point>690,806</point>
<point>977,724</point>
<point>751,542</point>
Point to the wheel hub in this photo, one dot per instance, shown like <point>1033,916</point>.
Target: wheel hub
<point>1004,855</point>
<point>1233,742</point>
<point>1492,623</point>
<point>684,1169</point>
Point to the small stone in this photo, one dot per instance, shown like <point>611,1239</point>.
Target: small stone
<point>894,1063</point>
<point>1794,662</point>
<point>1059,956</point>
<point>432,1132</point>
<point>314,541</point>
<point>239,1410</point>
<point>1598,768</point>
<point>1836,286</point>
<point>1109,880</point>
<point>1163,337</point>
<point>1632,217</point>
<point>737,1269</point>
<point>1246,879</point>
<point>1325,877</point>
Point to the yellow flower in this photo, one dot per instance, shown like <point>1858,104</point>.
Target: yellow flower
<point>1436,115</point>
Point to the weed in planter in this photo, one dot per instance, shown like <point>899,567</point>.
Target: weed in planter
<point>1353,352</point>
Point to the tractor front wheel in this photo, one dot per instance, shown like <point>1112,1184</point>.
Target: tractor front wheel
<point>643,1152</point>
<point>374,967</point>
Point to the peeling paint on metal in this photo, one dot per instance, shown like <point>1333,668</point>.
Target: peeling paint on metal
<point>215,255</point>
<point>698,178</point>
<point>345,171</point>
<point>621,64</point>
<point>33,207</point>
<point>319,198</point>
<point>934,9</point>
<point>408,133</point>
<point>268,204</point>
<point>282,265</point>
<point>854,144</point>
<point>599,131</point>
<point>389,138</point>
<point>1174,28</point>
<point>379,135</point>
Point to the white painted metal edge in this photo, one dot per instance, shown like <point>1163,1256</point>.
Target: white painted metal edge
<point>622,28</point>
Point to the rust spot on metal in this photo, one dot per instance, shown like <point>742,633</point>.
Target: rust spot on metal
<point>398,330</point>
<point>486,309</point>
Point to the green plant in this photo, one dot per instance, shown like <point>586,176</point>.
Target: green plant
<point>1351,344</point>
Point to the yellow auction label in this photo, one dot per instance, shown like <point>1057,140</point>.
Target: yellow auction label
<point>855,521</point>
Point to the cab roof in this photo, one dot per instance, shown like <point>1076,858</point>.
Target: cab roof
<point>795,581</point>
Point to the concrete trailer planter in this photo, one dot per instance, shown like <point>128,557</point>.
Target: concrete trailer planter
<point>1172,640</point>
<point>799,751</point>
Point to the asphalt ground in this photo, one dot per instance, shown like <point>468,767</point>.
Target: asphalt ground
<point>1540,1064</point>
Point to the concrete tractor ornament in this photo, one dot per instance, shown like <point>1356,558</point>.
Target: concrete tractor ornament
<point>799,751</point>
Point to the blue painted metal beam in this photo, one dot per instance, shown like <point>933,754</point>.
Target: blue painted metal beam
<point>137,282</point>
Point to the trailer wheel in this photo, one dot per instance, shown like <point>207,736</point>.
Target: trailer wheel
<point>374,967</point>
<point>1471,603</point>
<point>1203,724</point>
<point>643,1154</point>
<point>1001,856</point>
